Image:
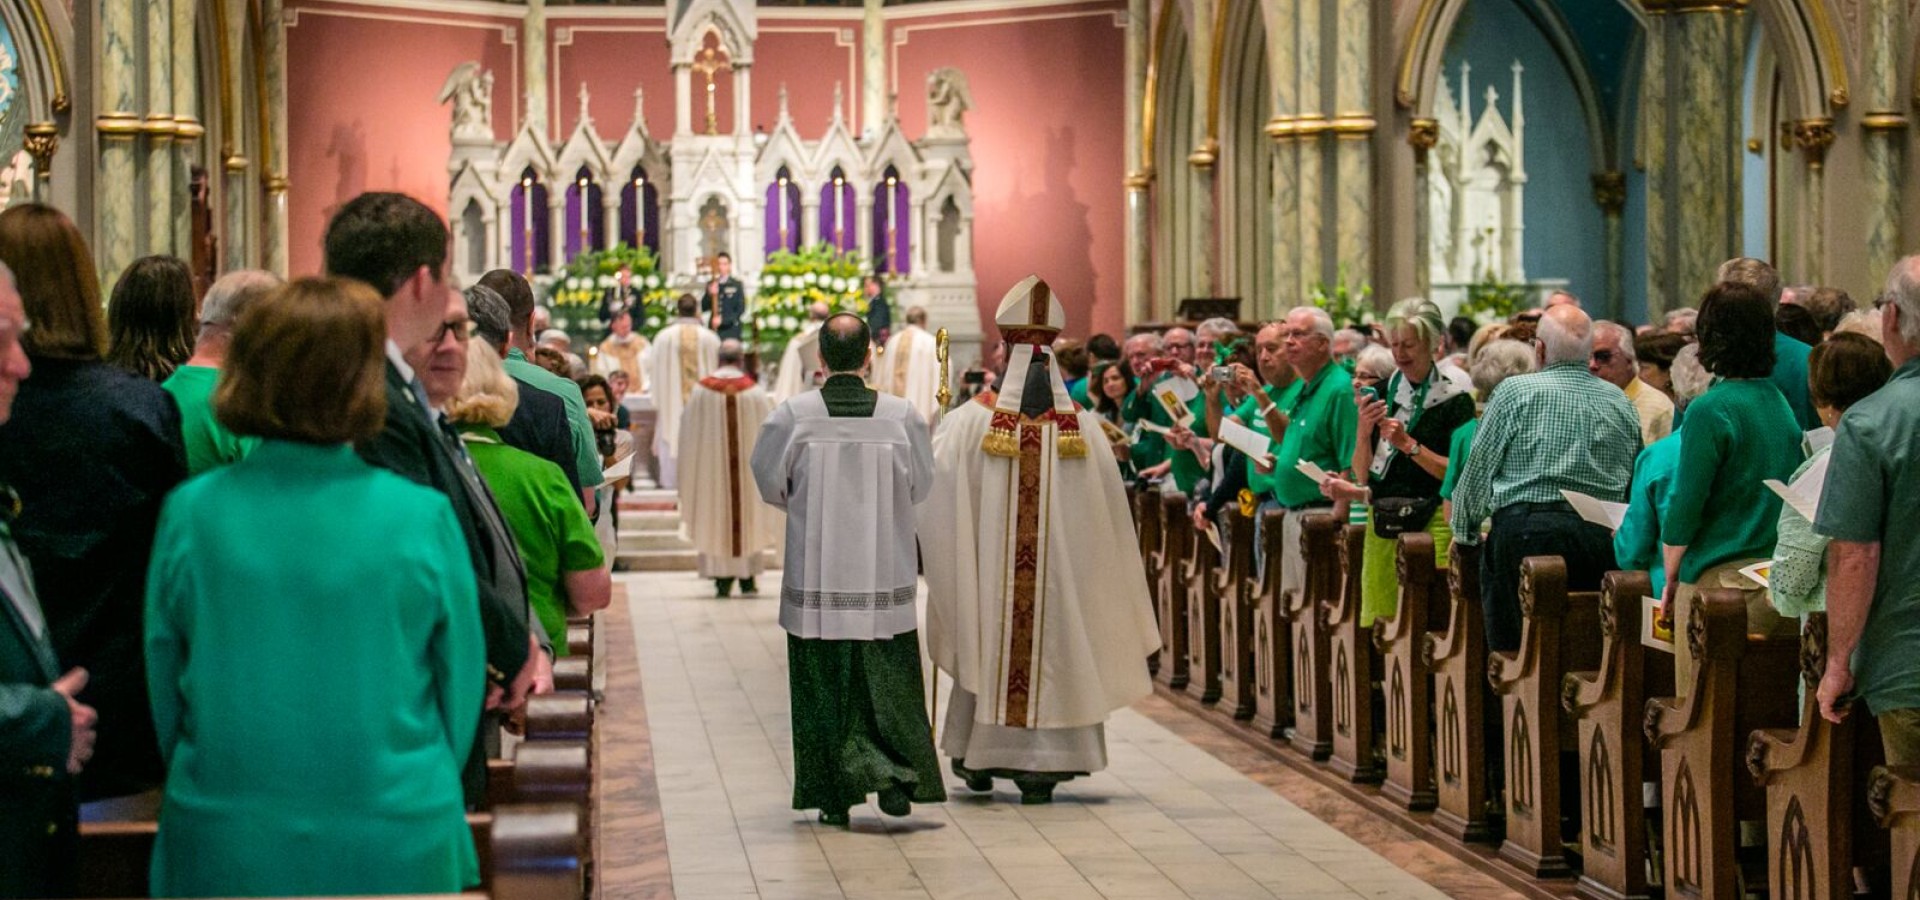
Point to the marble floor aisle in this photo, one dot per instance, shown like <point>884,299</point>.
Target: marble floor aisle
<point>1167,819</point>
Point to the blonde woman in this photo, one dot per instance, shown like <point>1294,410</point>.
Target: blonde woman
<point>567,573</point>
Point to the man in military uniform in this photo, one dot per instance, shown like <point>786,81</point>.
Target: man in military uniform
<point>879,310</point>
<point>726,301</point>
<point>622,297</point>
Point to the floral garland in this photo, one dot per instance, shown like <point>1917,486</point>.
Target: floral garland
<point>792,282</point>
<point>1348,306</point>
<point>578,289</point>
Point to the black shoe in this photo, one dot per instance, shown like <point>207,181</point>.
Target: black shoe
<point>723,588</point>
<point>1034,793</point>
<point>839,819</point>
<point>894,802</point>
<point>748,588</point>
<point>976,781</point>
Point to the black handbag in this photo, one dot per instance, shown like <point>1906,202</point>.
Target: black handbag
<point>1395,516</point>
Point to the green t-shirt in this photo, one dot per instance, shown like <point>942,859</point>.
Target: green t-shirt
<point>1872,489</point>
<point>209,444</point>
<point>586,452</point>
<point>1149,447</point>
<point>1321,423</point>
<point>1248,412</point>
<point>1736,435</point>
<point>1457,450</point>
<point>1187,470</point>
<point>548,523</point>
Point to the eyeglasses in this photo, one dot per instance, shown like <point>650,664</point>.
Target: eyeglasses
<point>1603,356</point>
<point>1881,301</point>
<point>461,329</point>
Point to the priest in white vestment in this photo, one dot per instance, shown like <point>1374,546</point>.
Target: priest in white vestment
<point>848,464</point>
<point>909,366</point>
<point>1036,599</point>
<point>720,511</point>
<point>682,354</point>
<point>622,352</point>
<point>801,361</point>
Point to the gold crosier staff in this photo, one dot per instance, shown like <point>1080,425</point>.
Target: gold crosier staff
<point>945,398</point>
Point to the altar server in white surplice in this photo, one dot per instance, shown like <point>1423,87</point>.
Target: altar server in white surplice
<point>801,361</point>
<point>909,367</point>
<point>1036,599</point>
<point>848,464</point>
<point>720,510</point>
<point>682,354</point>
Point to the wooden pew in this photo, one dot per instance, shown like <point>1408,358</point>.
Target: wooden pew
<point>1407,682</point>
<point>1893,796</point>
<point>1608,707</point>
<point>1202,587</point>
<point>1816,777</point>
<point>527,852</point>
<point>1457,657</point>
<point>1739,684</point>
<point>1559,632</point>
<point>1272,675</point>
<point>1312,687</point>
<point>1236,619</point>
<point>560,716</point>
<point>1146,507</point>
<point>1351,653</point>
<point>1169,565</point>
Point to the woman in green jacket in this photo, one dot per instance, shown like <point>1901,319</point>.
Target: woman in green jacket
<point>312,634</point>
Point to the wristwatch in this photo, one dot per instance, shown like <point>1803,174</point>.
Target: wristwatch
<point>1416,451</point>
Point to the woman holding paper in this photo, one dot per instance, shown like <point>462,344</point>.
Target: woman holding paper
<point>1841,371</point>
<point>1720,517</point>
<point>1405,427</point>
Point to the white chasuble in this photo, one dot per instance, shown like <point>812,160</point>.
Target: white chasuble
<point>1036,599</point>
<point>798,363</point>
<point>910,368</point>
<point>617,355</point>
<point>849,485</point>
<point>720,508</point>
<point>681,355</point>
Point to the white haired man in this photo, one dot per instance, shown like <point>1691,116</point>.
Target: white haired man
<point>1318,418</point>
<point>1613,361</point>
<point>209,444</point>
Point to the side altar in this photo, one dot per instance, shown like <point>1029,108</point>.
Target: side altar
<point>902,206</point>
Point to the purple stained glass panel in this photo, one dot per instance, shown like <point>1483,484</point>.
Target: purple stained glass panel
<point>529,208</point>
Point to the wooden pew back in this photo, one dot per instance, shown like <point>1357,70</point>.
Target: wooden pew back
<point>1352,657</point>
<point>1407,683</point>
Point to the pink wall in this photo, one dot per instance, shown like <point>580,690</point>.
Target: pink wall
<point>1048,88</point>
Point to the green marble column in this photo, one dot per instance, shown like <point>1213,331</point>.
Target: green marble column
<point>1283,128</point>
<point>1203,224</point>
<point>1694,53</point>
<point>187,129</point>
<point>237,235</point>
<point>1423,135</point>
<point>1610,194</point>
<point>873,67</point>
<point>533,49</point>
<point>118,125</point>
<point>1309,228</point>
<point>1884,133</point>
<point>159,154</point>
<point>1353,127</point>
<point>273,243</point>
<point>1139,180</point>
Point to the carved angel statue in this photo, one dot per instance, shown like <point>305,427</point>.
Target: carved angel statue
<point>948,99</point>
<point>471,90</point>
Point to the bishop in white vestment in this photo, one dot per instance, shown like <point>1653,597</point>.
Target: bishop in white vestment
<point>848,464</point>
<point>720,509</point>
<point>909,367</point>
<point>1036,600</point>
<point>622,352</point>
<point>802,357</point>
<point>682,354</point>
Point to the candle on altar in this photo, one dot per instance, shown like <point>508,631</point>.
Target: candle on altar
<point>781,205</point>
<point>526,225</point>
<point>585,239</point>
<point>838,191</point>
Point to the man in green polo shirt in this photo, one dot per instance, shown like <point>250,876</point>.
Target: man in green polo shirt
<point>519,296</point>
<point>1319,424</point>
<point>209,444</point>
<point>1873,564</point>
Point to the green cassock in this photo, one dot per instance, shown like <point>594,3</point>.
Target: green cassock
<point>316,691</point>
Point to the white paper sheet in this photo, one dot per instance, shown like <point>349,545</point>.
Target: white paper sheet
<point>1818,439</point>
<point>1317,474</point>
<point>1804,493</point>
<point>1246,440</point>
<point>1600,512</point>
<point>1759,573</point>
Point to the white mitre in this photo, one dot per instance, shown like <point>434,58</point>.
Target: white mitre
<point>1030,317</point>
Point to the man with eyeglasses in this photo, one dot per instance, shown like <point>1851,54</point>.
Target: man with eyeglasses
<point>1614,362</point>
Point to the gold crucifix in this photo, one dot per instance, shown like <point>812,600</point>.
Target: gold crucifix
<point>708,62</point>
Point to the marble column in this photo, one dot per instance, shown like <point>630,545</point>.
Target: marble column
<point>159,127</point>
<point>118,124</point>
<point>682,101</point>
<point>273,165</point>
<point>1610,194</point>
<point>1423,135</point>
<point>1353,127</point>
<point>41,141</point>
<point>1203,225</point>
<point>742,103</point>
<point>187,127</point>
<point>873,68</point>
<point>237,235</point>
<point>1814,136</point>
<point>1312,125</point>
<point>1883,135</point>
<point>1283,128</point>
<point>533,49</point>
<point>1139,179</point>
<point>1694,49</point>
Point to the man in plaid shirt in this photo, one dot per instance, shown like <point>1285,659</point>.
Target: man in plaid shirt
<point>1558,428</point>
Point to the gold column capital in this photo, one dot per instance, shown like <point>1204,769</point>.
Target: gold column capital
<point>188,128</point>
<point>1814,136</point>
<point>234,162</point>
<point>1610,192</point>
<point>42,139</point>
<point>1205,155</point>
<point>117,125</point>
<point>1280,128</point>
<point>1139,180</point>
<point>1883,121</point>
<point>1352,125</point>
<point>276,184</point>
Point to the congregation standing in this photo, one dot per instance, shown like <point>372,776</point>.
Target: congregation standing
<point>143,447</point>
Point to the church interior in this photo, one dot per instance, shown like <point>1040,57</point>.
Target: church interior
<point>1159,164</point>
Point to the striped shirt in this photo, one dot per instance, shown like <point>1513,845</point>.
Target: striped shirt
<point>1557,428</point>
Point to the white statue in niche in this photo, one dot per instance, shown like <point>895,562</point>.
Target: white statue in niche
<point>470,88</point>
<point>1476,225</point>
<point>948,99</point>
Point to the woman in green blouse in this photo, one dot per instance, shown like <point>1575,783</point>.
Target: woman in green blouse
<point>566,570</point>
<point>312,634</point>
